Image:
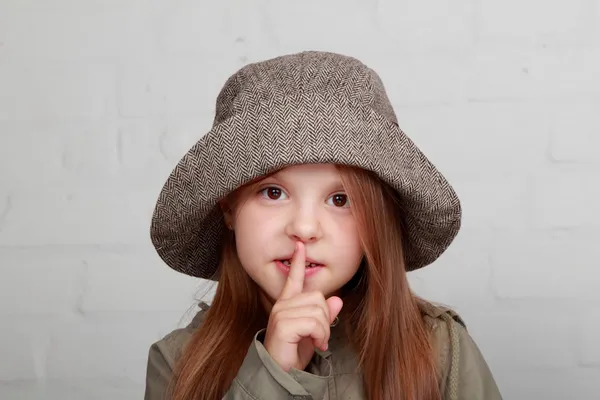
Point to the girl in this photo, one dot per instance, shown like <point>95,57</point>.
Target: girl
<point>308,205</point>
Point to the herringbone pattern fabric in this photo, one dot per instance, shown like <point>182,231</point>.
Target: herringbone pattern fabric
<point>310,107</point>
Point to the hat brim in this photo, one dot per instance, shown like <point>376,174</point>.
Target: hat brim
<point>187,223</point>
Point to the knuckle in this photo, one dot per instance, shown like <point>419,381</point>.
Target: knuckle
<point>278,326</point>
<point>278,308</point>
<point>319,326</point>
<point>319,313</point>
<point>317,296</point>
<point>274,317</point>
<point>316,309</point>
<point>324,313</point>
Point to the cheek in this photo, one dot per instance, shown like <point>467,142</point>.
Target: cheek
<point>348,243</point>
<point>252,236</point>
<point>247,242</point>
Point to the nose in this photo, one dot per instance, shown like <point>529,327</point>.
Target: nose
<point>304,225</point>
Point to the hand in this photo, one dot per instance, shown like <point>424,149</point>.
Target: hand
<point>299,322</point>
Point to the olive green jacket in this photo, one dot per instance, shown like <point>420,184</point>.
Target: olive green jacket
<point>463,373</point>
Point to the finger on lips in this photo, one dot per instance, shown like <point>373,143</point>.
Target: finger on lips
<point>295,280</point>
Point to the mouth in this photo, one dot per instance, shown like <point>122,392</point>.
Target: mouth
<point>307,264</point>
<point>312,268</point>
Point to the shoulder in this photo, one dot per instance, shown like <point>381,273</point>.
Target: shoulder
<point>171,346</point>
<point>434,314</point>
<point>445,326</point>
<point>164,354</point>
<point>461,367</point>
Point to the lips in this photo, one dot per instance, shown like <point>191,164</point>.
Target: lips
<point>288,263</point>
<point>309,262</point>
<point>310,270</point>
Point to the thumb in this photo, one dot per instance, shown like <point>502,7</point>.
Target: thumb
<point>335,306</point>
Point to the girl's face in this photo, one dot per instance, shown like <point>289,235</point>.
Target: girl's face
<point>300,203</point>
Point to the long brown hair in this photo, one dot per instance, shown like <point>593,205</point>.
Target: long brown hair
<point>388,332</point>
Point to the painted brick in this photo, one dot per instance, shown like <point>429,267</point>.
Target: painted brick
<point>38,155</point>
<point>142,154</point>
<point>468,257</point>
<point>20,162</point>
<point>546,265</point>
<point>248,31</point>
<point>428,24</point>
<point>535,332</point>
<point>141,88</point>
<point>192,84</point>
<point>531,19</point>
<point>423,80</point>
<point>495,202</point>
<point>491,140</point>
<point>588,333</point>
<point>185,30</point>
<point>23,343</point>
<point>121,388</point>
<point>103,215</point>
<point>32,274</point>
<point>92,347</point>
<point>150,151</point>
<point>574,134</point>
<point>508,74</point>
<point>56,90</point>
<point>157,287</point>
<point>567,197</point>
<point>356,30</point>
<point>21,389</point>
<point>72,389</point>
<point>552,384</point>
<point>58,5</point>
<point>65,30</point>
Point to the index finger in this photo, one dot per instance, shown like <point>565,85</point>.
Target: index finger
<point>295,280</point>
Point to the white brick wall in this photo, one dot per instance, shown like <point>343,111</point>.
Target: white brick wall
<point>99,99</point>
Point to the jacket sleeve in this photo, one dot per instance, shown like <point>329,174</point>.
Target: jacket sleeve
<point>475,379</point>
<point>158,374</point>
<point>259,377</point>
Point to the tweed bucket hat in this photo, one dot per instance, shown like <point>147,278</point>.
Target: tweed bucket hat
<point>308,107</point>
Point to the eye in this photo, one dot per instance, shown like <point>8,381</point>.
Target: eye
<point>272,192</point>
<point>340,200</point>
